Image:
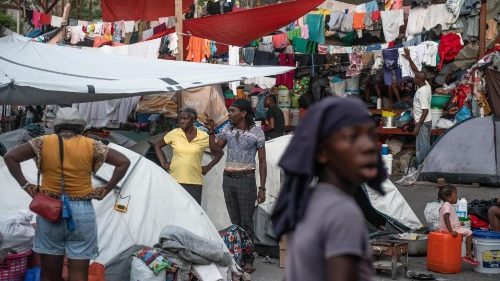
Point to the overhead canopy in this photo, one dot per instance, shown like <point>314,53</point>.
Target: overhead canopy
<point>146,10</point>
<point>37,73</point>
<point>242,27</point>
<point>236,28</point>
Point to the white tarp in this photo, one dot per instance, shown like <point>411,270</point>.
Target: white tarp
<point>37,73</point>
<point>392,203</point>
<point>156,200</point>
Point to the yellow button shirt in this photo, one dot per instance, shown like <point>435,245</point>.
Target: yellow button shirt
<point>185,166</point>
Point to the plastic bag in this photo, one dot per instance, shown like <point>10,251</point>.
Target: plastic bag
<point>431,214</point>
<point>16,232</point>
<point>463,114</point>
<point>141,272</point>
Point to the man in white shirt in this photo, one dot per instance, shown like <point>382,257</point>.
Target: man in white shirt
<point>421,115</point>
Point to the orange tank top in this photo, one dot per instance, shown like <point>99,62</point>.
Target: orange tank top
<point>78,165</point>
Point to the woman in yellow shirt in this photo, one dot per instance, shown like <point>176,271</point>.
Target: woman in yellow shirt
<point>188,144</point>
<point>82,157</point>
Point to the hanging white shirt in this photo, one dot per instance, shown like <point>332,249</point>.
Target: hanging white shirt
<point>416,21</point>
<point>391,21</point>
<point>437,14</point>
<point>417,56</point>
<point>431,50</point>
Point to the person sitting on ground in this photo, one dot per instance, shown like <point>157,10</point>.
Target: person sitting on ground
<point>275,119</point>
<point>188,145</point>
<point>494,216</point>
<point>335,144</point>
<point>448,219</point>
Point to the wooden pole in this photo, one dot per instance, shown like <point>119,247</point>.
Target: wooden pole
<point>178,28</point>
<point>91,17</point>
<point>482,28</point>
<point>18,17</point>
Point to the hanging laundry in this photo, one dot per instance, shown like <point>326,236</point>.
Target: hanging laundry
<point>76,33</point>
<point>492,30</point>
<point>286,79</point>
<point>438,14</point>
<point>118,27</point>
<point>420,3</point>
<point>160,28</point>
<point>305,46</point>
<point>391,21</point>
<point>198,49</point>
<point>266,44</point>
<point>304,31</point>
<point>347,23</point>
<point>56,21</point>
<point>393,4</point>
<point>371,6</point>
<point>416,21</point>
<point>280,41</point>
<point>356,65</point>
<point>248,55</point>
<point>36,19</point>
<point>72,22</point>
<point>417,55</point>
<point>360,8</point>
<point>368,21</point>
<point>454,7</point>
<point>341,6</point>
<point>129,26</point>
<point>335,20</point>
<point>173,43</point>
<point>376,16</point>
<point>431,51</point>
<point>146,34</point>
<point>45,19</point>
<point>358,21</point>
<point>234,59</point>
<point>392,71</point>
<point>265,58</point>
<point>83,22</point>
<point>295,33</point>
<point>316,25</point>
<point>449,47</point>
<point>154,23</point>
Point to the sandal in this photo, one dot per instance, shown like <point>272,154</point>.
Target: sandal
<point>471,261</point>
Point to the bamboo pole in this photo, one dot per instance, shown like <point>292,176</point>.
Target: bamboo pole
<point>482,28</point>
<point>178,28</point>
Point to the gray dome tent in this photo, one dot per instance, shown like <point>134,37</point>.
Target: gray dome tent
<point>468,153</point>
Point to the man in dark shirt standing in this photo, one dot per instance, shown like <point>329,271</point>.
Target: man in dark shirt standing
<point>275,119</point>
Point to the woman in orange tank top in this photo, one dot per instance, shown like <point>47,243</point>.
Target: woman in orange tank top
<point>82,157</point>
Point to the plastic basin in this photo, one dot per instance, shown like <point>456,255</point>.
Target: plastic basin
<point>439,101</point>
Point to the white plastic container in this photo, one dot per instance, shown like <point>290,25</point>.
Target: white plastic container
<point>284,100</point>
<point>436,115</point>
<point>294,117</point>
<point>387,159</point>
<point>255,101</point>
<point>338,88</point>
<point>487,251</point>
<point>379,103</point>
<point>462,208</point>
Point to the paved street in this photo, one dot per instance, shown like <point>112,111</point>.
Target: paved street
<point>417,196</point>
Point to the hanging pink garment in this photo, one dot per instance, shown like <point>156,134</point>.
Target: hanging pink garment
<point>36,19</point>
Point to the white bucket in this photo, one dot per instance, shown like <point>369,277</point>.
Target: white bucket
<point>487,251</point>
<point>286,113</point>
<point>284,100</point>
<point>436,115</point>
<point>255,101</point>
<point>387,159</point>
<point>352,85</point>
<point>338,88</point>
<point>294,117</point>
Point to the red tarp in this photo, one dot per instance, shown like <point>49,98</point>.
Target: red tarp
<point>242,27</point>
<point>236,28</point>
<point>146,10</point>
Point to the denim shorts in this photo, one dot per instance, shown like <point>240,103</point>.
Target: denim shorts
<point>55,239</point>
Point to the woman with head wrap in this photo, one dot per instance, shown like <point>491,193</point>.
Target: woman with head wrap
<point>188,145</point>
<point>244,140</point>
<point>336,146</point>
<point>75,236</point>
